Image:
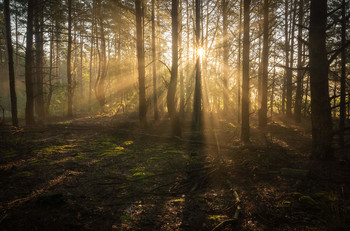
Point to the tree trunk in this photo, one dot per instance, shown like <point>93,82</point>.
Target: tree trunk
<point>245,74</point>
<point>225,46</point>
<point>342,115</point>
<point>49,95</point>
<point>12,79</point>
<point>197,101</point>
<point>141,61</point>
<point>100,88</point>
<point>154,65</point>
<point>320,106</point>
<point>29,112</point>
<point>298,95</point>
<point>39,60</point>
<point>181,66</point>
<point>289,87</point>
<point>265,65</point>
<point>69,54</point>
<point>239,64</point>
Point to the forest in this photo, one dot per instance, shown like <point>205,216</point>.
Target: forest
<point>174,115</point>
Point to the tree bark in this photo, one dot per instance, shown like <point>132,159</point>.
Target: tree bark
<point>288,72</point>
<point>342,115</point>
<point>225,46</point>
<point>69,55</point>
<point>39,60</point>
<point>320,105</point>
<point>154,65</point>
<point>100,88</point>
<point>197,101</point>
<point>141,61</point>
<point>265,65</point>
<point>298,94</point>
<point>12,79</point>
<point>245,73</point>
<point>239,64</point>
<point>171,100</point>
<point>29,111</point>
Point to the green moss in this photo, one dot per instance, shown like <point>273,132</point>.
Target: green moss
<point>52,149</point>
<point>9,153</point>
<point>173,152</point>
<point>216,218</point>
<point>129,142</point>
<point>39,161</point>
<point>126,218</point>
<point>24,174</point>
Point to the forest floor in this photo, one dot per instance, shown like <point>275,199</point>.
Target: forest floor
<point>106,173</point>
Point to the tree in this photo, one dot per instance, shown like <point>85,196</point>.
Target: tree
<point>39,60</point>
<point>342,77</point>
<point>69,55</point>
<point>224,6</point>
<point>245,73</point>
<point>139,5</point>
<point>171,101</point>
<point>7,15</point>
<point>265,65</point>
<point>197,101</point>
<point>288,72</point>
<point>101,79</point>
<point>298,94</point>
<point>29,111</point>
<point>154,64</point>
<point>320,104</point>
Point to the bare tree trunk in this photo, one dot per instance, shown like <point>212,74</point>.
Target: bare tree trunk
<point>320,105</point>
<point>141,62</point>
<point>245,85</point>
<point>265,65</point>
<point>239,64</point>
<point>12,79</point>
<point>288,72</point>
<point>171,97</point>
<point>91,56</point>
<point>49,95</point>
<point>154,65</point>
<point>39,61</point>
<point>100,88</point>
<point>224,6</point>
<point>197,104</point>
<point>298,95</point>
<point>342,115</point>
<point>181,65</point>
<point>69,54</point>
<point>29,112</point>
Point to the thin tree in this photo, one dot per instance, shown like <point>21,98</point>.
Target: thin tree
<point>245,73</point>
<point>39,59</point>
<point>154,65</point>
<point>139,6</point>
<point>197,101</point>
<point>298,94</point>
<point>288,72</point>
<point>239,64</point>
<point>265,65</point>
<point>342,77</point>
<point>320,104</point>
<point>171,97</point>
<point>12,79</point>
<point>29,111</point>
<point>224,6</point>
<point>69,55</point>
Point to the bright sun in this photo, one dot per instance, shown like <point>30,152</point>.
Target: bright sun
<point>200,52</point>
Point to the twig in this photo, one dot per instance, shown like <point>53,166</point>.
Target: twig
<point>223,223</point>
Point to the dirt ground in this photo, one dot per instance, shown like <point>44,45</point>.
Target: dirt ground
<point>106,173</point>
